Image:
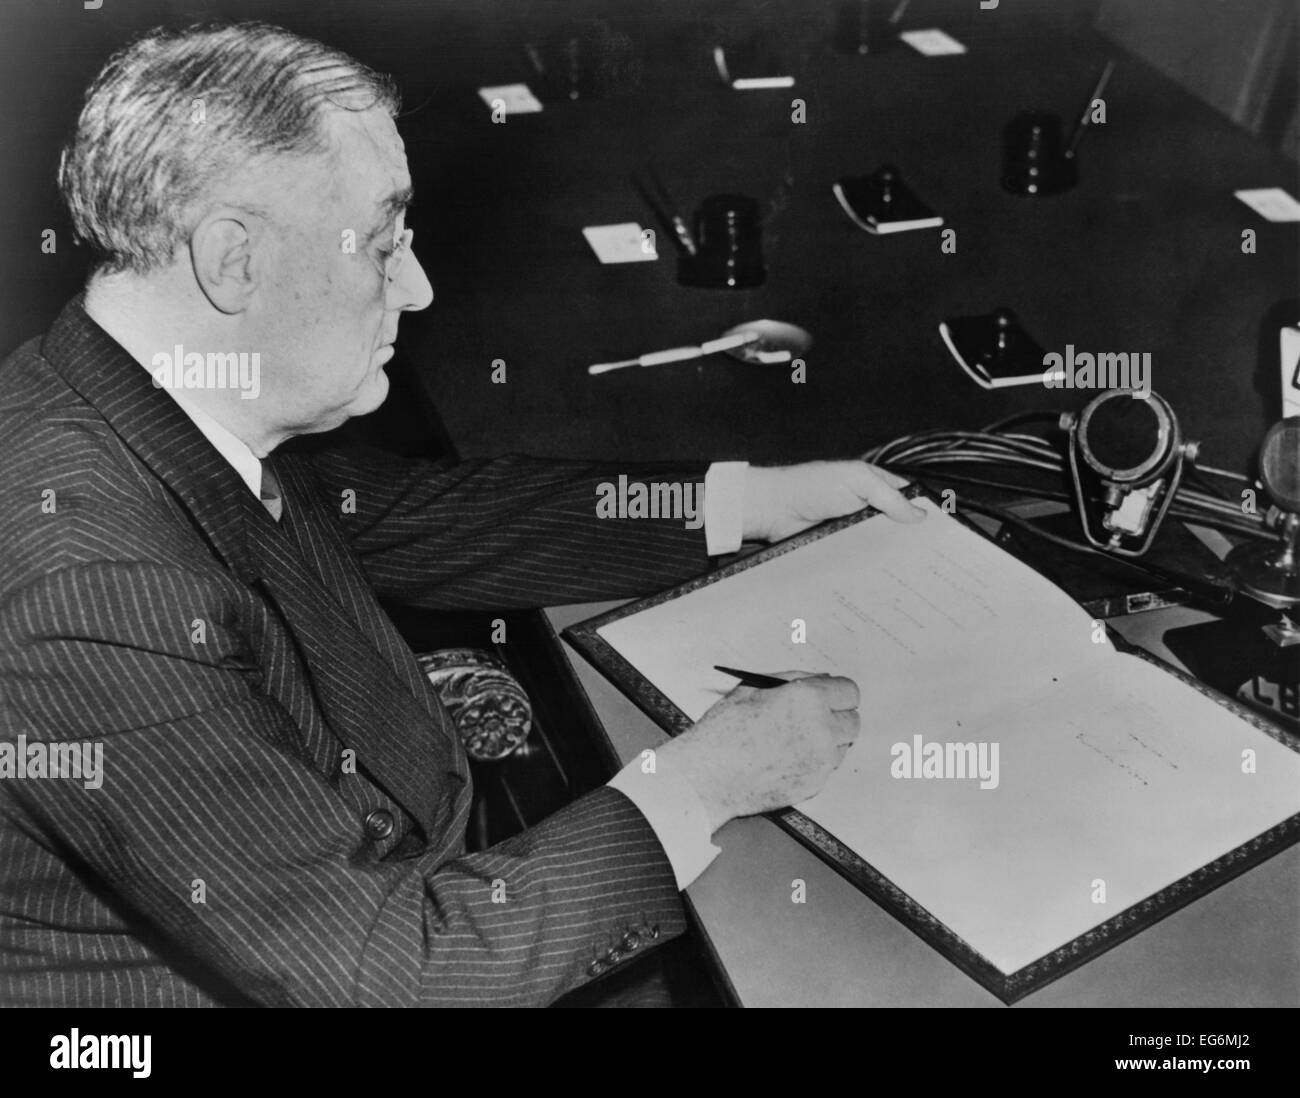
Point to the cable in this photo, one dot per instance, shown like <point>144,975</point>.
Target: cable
<point>1208,594</point>
<point>1201,519</point>
<point>1208,504</point>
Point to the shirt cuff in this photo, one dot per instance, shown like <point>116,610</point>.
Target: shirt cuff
<point>724,506</point>
<point>673,810</point>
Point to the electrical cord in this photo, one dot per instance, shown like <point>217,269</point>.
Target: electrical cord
<point>1211,596</point>
<point>1207,504</point>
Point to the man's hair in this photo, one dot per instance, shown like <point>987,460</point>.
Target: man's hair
<point>175,112</point>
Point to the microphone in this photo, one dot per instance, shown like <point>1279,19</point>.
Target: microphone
<point>1271,573</point>
<point>1126,456</point>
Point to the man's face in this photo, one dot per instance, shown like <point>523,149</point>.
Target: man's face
<point>325,314</point>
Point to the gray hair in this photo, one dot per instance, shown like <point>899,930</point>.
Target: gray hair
<point>175,111</point>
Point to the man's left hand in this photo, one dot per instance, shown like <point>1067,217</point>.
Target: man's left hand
<point>782,500</point>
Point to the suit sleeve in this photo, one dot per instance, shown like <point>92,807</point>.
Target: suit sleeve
<point>510,532</point>
<point>202,784</point>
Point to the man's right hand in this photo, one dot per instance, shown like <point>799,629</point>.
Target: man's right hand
<point>756,750</point>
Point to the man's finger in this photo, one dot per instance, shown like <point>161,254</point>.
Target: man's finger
<point>836,691</point>
<point>848,724</point>
<point>872,488</point>
<point>889,477</point>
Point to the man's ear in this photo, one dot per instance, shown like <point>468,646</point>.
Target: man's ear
<point>221,249</point>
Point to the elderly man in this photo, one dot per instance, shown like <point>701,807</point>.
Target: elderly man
<point>281,812</point>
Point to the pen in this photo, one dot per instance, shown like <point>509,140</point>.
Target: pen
<point>751,678</point>
<point>669,210</point>
<point>1086,117</point>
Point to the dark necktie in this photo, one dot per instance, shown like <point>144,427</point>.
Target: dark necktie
<point>272,498</point>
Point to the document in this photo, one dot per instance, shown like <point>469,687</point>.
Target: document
<point>1019,778</point>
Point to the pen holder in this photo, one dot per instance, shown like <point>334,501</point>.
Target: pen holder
<point>862,27</point>
<point>567,66</point>
<point>1034,162</point>
<point>729,245</point>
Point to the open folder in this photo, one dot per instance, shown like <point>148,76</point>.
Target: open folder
<point>1023,793</point>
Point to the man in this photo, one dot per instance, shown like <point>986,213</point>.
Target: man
<point>280,813</point>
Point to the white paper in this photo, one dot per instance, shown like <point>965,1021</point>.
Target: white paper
<point>932,42</point>
<point>893,606</point>
<point>759,83</point>
<point>515,98</point>
<point>625,242</point>
<point>1121,779</point>
<point>1271,203</point>
<point>1114,779</point>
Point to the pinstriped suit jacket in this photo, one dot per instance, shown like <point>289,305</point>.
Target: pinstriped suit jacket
<point>232,666</point>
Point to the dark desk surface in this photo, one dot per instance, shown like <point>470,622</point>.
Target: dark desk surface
<point>1144,255</point>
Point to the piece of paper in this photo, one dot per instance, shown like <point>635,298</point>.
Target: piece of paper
<point>1074,781</point>
<point>758,83</point>
<point>1113,785</point>
<point>932,42</point>
<point>907,611</point>
<point>625,242</point>
<point>512,98</point>
<point>1271,203</point>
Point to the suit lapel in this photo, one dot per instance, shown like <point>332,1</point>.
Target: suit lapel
<point>151,424</point>
<point>361,667</point>
<point>321,542</point>
<point>370,702</point>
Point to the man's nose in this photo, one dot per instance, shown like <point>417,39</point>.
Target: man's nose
<point>411,289</point>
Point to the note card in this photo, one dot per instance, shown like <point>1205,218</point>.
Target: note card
<point>626,242</point>
<point>515,98</point>
<point>1271,203</point>
<point>932,42</point>
<point>759,83</point>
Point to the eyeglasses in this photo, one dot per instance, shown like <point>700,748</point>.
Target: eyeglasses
<point>401,249</point>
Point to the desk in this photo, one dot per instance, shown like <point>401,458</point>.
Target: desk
<point>1144,255</point>
<point>1233,947</point>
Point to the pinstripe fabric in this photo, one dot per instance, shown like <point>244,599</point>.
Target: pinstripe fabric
<point>257,708</point>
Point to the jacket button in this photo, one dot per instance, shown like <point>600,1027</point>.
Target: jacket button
<point>379,824</point>
<point>631,940</point>
<point>654,931</point>
<point>596,967</point>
